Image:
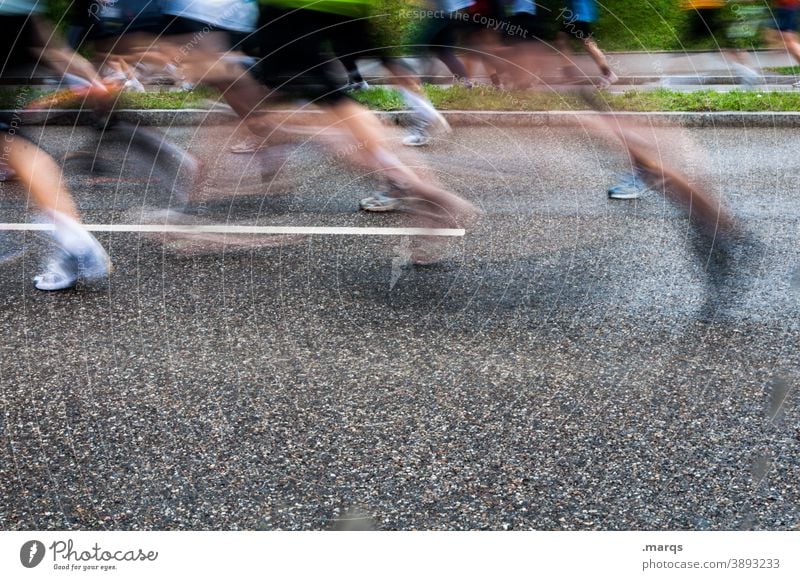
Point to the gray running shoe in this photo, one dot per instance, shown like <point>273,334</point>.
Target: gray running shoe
<point>630,186</point>
<point>423,124</point>
<point>418,135</point>
<point>356,86</point>
<point>380,201</point>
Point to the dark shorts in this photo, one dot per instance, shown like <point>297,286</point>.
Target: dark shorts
<point>88,24</point>
<point>522,27</point>
<point>785,19</point>
<point>297,56</point>
<point>16,41</point>
<point>577,28</point>
<point>16,48</point>
<point>356,38</point>
<point>563,20</point>
<point>445,31</point>
<point>706,22</point>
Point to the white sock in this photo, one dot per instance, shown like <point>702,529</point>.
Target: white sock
<point>69,234</point>
<point>392,167</point>
<point>421,105</point>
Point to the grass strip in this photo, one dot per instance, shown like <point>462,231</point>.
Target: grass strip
<point>481,98</point>
<point>489,99</point>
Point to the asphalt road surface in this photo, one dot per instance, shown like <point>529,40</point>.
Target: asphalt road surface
<point>551,374</point>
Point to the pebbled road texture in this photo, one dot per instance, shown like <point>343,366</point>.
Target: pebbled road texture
<point>552,374</point>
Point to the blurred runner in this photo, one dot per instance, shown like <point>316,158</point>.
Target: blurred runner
<point>110,28</point>
<point>707,19</point>
<point>529,54</point>
<point>782,27</point>
<point>577,20</point>
<point>441,34</point>
<point>364,41</point>
<point>78,256</point>
<point>295,36</point>
<point>716,238</point>
<point>482,36</point>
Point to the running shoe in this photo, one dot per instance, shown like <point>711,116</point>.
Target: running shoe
<point>418,134</point>
<point>608,79</point>
<point>248,145</point>
<point>423,124</point>
<point>65,269</point>
<point>356,86</point>
<point>417,137</point>
<point>435,120</point>
<point>630,186</point>
<point>380,201</point>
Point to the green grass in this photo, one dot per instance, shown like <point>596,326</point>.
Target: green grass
<point>168,99</point>
<point>662,25</point>
<point>489,99</point>
<point>19,98</point>
<point>484,98</point>
<point>785,70</point>
<point>705,101</point>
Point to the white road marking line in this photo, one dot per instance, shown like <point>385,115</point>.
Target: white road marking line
<point>234,230</point>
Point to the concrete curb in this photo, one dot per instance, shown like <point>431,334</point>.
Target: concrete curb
<point>193,117</point>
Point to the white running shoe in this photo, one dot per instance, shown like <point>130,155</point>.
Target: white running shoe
<point>65,269</point>
<point>434,119</point>
<point>423,124</point>
<point>417,137</point>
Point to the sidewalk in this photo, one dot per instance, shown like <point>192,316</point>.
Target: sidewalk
<point>689,72</point>
<point>638,69</point>
<point>487,119</point>
<point>635,69</point>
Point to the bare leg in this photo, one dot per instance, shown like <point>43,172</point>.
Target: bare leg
<point>79,255</point>
<point>442,206</point>
<point>597,55</point>
<point>788,39</point>
<point>41,176</point>
<point>403,77</point>
<point>701,205</point>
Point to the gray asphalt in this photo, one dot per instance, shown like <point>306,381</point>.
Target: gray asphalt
<point>552,374</point>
